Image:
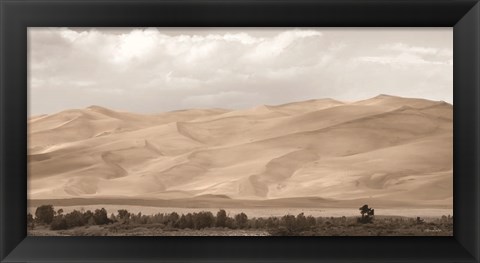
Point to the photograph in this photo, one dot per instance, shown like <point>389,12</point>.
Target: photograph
<point>240,131</point>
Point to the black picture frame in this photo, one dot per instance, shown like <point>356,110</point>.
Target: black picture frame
<point>17,15</point>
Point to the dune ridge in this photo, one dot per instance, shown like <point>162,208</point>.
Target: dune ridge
<point>390,150</point>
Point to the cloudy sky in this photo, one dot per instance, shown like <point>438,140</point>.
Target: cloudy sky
<point>151,70</point>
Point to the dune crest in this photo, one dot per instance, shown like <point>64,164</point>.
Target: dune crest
<point>393,149</point>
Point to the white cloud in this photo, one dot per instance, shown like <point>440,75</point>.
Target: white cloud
<point>242,37</point>
<point>405,55</point>
<point>71,35</point>
<point>135,45</point>
<point>404,48</point>
<point>83,83</point>
<point>159,69</point>
<point>275,46</point>
<point>403,59</point>
<point>409,49</point>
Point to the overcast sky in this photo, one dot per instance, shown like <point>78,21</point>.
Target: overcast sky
<point>151,70</point>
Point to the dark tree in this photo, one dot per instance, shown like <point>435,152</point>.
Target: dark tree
<point>203,220</point>
<point>419,220</point>
<point>289,223</point>
<point>311,221</point>
<point>172,218</point>
<point>88,218</point>
<point>272,222</point>
<point>181,223</point>
<point>45,213</point>
<point>221,218</point>
<point>100,217</point>
<point>123,215</point>
<point>75,218</point>
<point>258,223</point>
<point>59,222</point>
<point>189,221</point>
<point>301,222</point>
<point>241,220</point>
<point>30,221</point>
<point>367,214</point>
<point>113,218</point>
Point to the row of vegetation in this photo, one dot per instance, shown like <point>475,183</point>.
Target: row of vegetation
<point>284,226</point>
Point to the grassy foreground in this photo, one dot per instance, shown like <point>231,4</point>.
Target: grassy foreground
<point>48,222</point>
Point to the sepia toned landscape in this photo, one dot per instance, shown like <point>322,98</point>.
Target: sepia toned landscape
<point>240,132</point>
<point>310,155</point>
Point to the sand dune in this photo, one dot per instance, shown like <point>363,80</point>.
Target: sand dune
<point>387,150</point>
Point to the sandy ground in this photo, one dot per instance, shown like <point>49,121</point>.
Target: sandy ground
<point>384,148</point>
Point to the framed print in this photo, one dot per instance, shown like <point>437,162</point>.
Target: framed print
<point>239,131</point>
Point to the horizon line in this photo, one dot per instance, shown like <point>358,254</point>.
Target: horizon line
<point>230,109</point>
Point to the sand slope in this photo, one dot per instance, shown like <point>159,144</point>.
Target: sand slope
<point>390,149</point>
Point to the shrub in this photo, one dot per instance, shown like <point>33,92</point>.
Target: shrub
<point>301,223</point>
<point>182,222</point>
<point>123,215</point>
<point>230,223</point>
<point>289,222</point>
<point>221,218</point>
<point>367,214</point>
<point>203,220</point>
<point>172,218</point>
<point>88,218</point>
<point>58,223</point>
<point>100,217</point>
<point>311,221</point>
<point>258,223</point>
<point>241,220</point>
<point>30,221</point>
<point>189,221</point>
<point>113,218</point>
<point>45,213</point>
<point>272,222</point>
<point>75,218</point>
